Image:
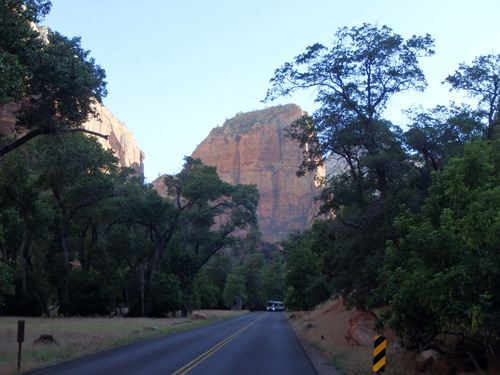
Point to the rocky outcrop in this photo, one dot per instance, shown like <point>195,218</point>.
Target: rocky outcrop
<point>360,330</point>
<point>252,148</point>
<point>120,139</point>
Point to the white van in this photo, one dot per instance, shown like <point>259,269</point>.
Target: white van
<point>275,306</point>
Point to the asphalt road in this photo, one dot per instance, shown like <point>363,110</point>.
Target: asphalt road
<point>258,343</point>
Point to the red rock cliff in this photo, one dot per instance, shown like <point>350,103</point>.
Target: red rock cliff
<point>120,140</point>
<point>251,148</point>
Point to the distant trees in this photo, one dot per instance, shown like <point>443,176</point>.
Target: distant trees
<point>408,224</point>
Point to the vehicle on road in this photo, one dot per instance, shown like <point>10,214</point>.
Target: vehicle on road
<point>275,306</point>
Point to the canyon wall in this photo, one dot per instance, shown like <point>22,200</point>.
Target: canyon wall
<point>120,139</point>
<point>252,148</point>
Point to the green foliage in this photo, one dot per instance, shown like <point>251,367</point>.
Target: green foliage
<point>234,290</point>
<point>355,79</point>
<point>253,271</point>
<point>305,287</point>
<point>442,272</point>
<point>272,284</point>
<point>207,293</point>
<point>210,281</point>
<point>6,282</point>
<point>481,80</point>
<point>206,214</point>
<point>53,78</point>
<point>18,44</point>
<point>167,293</point>
<point>88,295</point>
<point>438,134</point>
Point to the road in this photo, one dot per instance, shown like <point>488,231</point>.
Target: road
<point>256,343</point>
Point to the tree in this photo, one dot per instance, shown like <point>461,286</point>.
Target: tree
<point>481,80</point>
<point>441,273</point>
<point>354,80</point>
<point>75,187</point>
<point>435,136</point>
<point>18,43</point>
<point>54,81</point>
<point>302,276</point>
<point>211,280</point>
<point>273,287</point>
<point>6,282</point>
<point>208,213</point>
<point>26,221</point>
<point>234,291</point>
<point>198,218</point>
<point>252,270</point>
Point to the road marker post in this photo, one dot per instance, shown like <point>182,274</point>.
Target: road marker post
<point>379,346</point>
<point>20,339</point>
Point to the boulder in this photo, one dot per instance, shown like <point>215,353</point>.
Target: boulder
<point>360,330</point>
<point>197,316</point>
<point>46,340</point>
<point>426,358</point>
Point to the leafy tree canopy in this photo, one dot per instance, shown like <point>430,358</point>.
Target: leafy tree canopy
<point>52,79</point>
<point>481,80</point>
<point>441,274</point>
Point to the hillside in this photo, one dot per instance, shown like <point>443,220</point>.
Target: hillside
<point>340,341</point>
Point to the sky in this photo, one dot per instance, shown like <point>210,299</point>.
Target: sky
<point>177,69</point>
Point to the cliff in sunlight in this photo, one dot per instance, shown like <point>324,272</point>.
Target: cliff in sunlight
<point>252,148</point>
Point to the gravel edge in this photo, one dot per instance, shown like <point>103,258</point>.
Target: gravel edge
<point>318,359</point>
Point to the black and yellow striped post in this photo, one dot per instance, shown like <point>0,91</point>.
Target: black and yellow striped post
<point>379,347</point>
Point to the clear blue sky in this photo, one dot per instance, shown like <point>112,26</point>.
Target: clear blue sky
<point>176,69</point>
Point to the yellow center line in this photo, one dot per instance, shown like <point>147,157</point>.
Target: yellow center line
<point>188,367</point>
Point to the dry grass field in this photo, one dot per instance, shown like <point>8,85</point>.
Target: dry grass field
<point>77,337</point>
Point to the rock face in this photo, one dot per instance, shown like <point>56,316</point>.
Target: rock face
<point>360,330</point>
<point>251,148</point>
<point>120,140</point>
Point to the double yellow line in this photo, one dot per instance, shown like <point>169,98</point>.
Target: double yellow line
<point>185,369</point>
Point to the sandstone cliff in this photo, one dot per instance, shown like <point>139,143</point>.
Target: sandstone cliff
<point>120,140</point>
<point>251,148</point>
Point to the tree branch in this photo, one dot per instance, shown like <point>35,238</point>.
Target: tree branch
<point>37,132</point>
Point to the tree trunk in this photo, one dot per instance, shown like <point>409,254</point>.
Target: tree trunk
<point>22,260</point>
<point>143,287</point>
<point>65,245</point>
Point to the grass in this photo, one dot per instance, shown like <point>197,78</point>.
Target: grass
<point>78,337</point>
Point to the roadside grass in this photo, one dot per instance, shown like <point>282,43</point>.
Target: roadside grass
<point>78,337</point>
<point>353,360</point>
